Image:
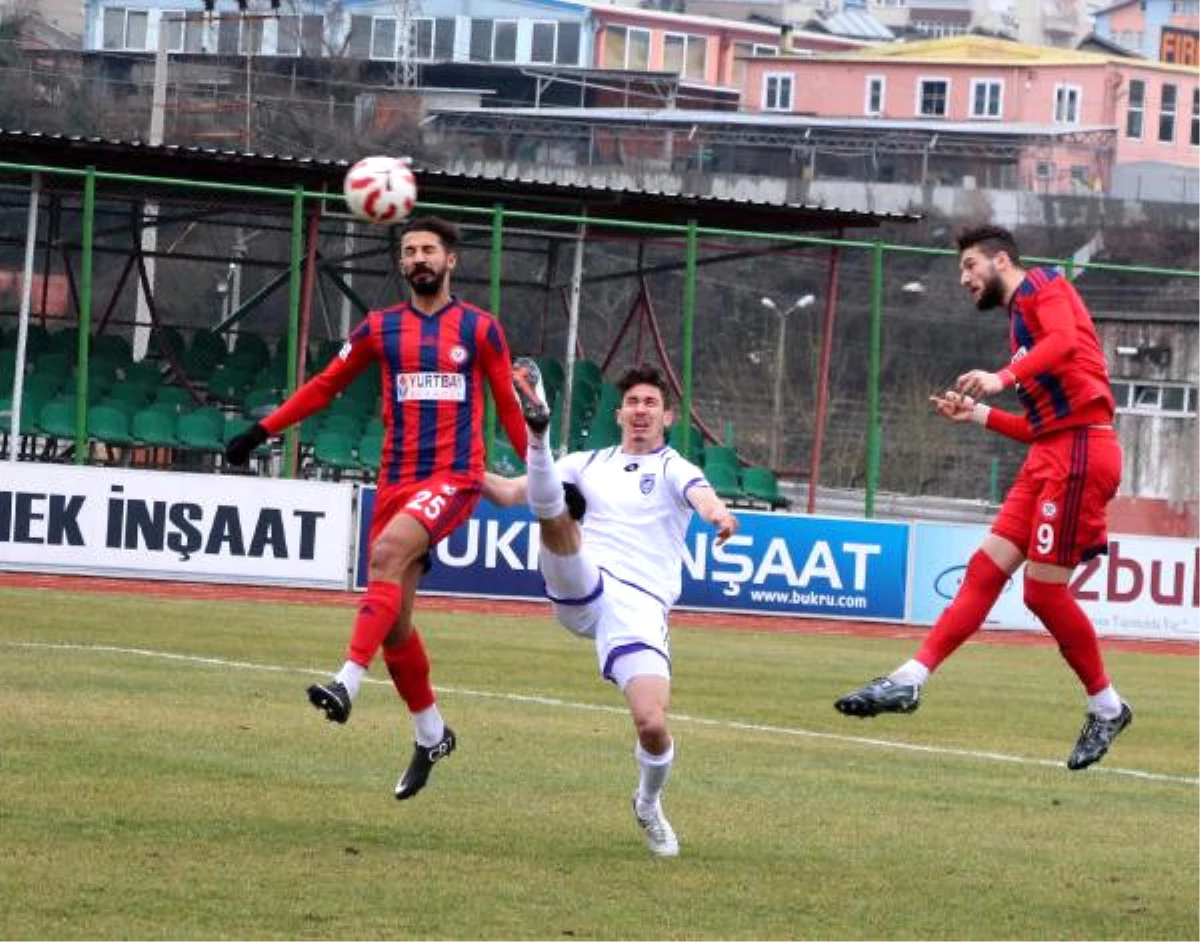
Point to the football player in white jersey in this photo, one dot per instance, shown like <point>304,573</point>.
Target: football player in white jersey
<point>612,525</point>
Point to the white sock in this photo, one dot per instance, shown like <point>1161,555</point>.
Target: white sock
<point>568,577</point>
<point>350,677</point>
<point>543,485</point>
<point>429,727</point>
<point>653,772</point>
<point>1106,703</point>
<point>910,672</point>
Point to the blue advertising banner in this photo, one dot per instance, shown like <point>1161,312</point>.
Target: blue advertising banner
<point>776,563</point>
<point>940,555</point>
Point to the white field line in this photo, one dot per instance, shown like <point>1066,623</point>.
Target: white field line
<point>596,708</point>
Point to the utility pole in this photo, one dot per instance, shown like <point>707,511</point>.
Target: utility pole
<point>406,45</point>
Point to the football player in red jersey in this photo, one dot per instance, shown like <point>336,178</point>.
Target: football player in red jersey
<point>1054,516</point>
<point>434,352</point>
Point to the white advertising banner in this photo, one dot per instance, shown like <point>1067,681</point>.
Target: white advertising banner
<point>1146,587</point>
<point>174,525</point>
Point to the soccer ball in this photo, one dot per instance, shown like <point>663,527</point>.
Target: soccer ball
<point>381,190</point>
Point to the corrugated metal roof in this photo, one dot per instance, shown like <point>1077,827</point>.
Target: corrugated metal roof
<point>856,24</point>
<point>778,121</point>
<point>437,186</point>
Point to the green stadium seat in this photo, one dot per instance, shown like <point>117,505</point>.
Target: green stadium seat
<point>335,451</point>
<point>760,483</point>
<point>724,480</point>
<point>721,455</point>
<point>57,419</point>
<point>370,451</point>
<point>109,426</point>
<point>197,431</point>
<point>349,425</point>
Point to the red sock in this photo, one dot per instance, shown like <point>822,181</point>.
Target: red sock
<point>981,586</point>
<point>376,618</point>
<point>409,666</point>
<point>1057,609</point>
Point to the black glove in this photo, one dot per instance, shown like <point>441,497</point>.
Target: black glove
<point>576,502</point>
<point>241,445</point>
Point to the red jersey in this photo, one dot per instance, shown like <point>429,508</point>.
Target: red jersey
<point>1059,368</point>
<point>432,367</point>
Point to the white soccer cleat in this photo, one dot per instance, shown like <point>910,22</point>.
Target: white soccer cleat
<point>657,831</point>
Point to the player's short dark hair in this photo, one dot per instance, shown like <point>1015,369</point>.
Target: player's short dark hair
<point>645,374</point>
<point>446,231</point>
<point>990,240</point>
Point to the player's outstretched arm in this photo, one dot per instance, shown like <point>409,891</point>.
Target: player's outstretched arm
<point>502,491</point>
<point>959,408</point>
<point>713,510</point>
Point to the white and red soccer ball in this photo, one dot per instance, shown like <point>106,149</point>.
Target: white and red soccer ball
<point>380,190</point>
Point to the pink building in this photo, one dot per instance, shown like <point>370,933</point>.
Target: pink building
<point>1083,116</point>
<point>701,49</point>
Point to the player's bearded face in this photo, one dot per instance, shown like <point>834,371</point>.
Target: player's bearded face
<point>980,278</point>
<point>425,263</point>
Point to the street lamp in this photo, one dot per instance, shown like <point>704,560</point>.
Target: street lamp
<point>777,399</point>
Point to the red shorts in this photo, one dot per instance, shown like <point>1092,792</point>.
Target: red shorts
<point>1056,510</point>
<point>441,504</point>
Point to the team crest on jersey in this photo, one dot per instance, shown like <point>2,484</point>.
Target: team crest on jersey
<point>1049,510</point>
<point>646,483</point>
<point>458,354</point>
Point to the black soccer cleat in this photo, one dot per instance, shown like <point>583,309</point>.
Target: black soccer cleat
<point>527,381</point>
<point>882,695</point>
<point>421,764</point>
<point>333,699</point>
<point>1096,736</point>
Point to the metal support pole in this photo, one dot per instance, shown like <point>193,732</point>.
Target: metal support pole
<point>35,192</point>
<point>874,364</point>
<point>572,338</point>
<point>814,468</point>
<point>291,445</point>
<point>691,253</point>
<point>495,299</point>
<point>85,315</point>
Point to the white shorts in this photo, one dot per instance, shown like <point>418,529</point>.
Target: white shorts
<point>624,621</point>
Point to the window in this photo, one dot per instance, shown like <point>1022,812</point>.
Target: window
<point>876,89</point>
<point>1167,399</point>
<point>383,37</point>
<point>542,46</point>
<point>239,36</point>
<point>504,41</point>
<point>986,98</point>
<point>626,48</point>
<point>743,51</point>
<point>301,35</point>
<point>1066,104</point>
<point>1195,137</point>
<point>1045,170</point>
<point>185,31</point>
<point>1166,114</point>
<point>777,91</point>
<point>481,40</point>
<point>433,39</point>
<point>555,42</point>
<point>686,55</point>
<point>125,29</point>
<point>1080,174</point>
<point>1135,109</point>
<point>933,96</point>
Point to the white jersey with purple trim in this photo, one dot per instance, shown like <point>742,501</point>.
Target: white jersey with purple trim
<point>637,514</point>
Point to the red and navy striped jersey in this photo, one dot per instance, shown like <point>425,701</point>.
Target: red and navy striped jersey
<point>1057,361</point>
<point>432,368</point>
